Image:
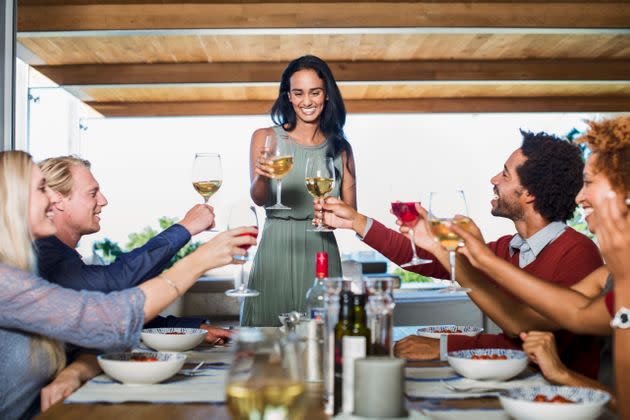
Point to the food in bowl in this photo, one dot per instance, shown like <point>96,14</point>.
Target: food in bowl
<point>488,364</point>
<point>173,339</point>
<point>132,368</point>
<point>562,402</point>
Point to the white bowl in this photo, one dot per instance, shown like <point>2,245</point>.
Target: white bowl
<point>588,403</point>
<point>433,331</point>
<point>500,370</point>
<point>173,339</point>
<point>126,368</point>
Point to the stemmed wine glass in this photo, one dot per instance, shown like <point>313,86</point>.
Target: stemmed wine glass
<point>443,207</point>
<point>242,215</point>
<point>207,175</point>
<point>265,379</point>
<point>280,152</point>
<point>406,212</point>
<point>320,181</point>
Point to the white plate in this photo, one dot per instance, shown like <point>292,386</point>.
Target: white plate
<point>431,331</point>
<point>425,285</point>
<point>173,339</point>
<point>123,367</point>
<point>499,370</point>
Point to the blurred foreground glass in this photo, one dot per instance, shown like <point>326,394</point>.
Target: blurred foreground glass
<point>444,206</point>
<point>380,311</point>
<point>265,378</point>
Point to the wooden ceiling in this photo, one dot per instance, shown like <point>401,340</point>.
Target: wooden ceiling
<point>148,58</point>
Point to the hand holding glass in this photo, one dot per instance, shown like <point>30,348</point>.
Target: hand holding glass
<point>443,207</point>
<point>320,181</point>
<point>280,150</point>
<point>406,212</point>
<point>242,215</point>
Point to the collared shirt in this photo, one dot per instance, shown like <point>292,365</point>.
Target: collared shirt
<point>61,264</point>
<point>530,248</point>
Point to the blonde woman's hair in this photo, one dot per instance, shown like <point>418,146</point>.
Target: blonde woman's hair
<point>57,172</point>
<point>16,240</point>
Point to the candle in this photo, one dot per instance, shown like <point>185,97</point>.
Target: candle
<point>379,387</point>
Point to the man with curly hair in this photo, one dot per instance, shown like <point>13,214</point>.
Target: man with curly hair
<point>536,189</point>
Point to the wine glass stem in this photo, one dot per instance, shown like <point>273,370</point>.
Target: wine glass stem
<point>279,193</point>
<point>451,260</point>
<point>320,223</point>
<point>413,245</point>
<point>241,279</point>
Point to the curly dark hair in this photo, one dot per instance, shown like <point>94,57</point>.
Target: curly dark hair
<point>610,141</point>
<point>333,117</point>
<point>552,173</point>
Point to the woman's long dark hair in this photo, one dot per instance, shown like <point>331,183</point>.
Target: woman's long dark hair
<point>332,119</point>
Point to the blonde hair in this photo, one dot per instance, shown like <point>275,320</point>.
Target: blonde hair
<point>57,172</point>
<point>16,241</point>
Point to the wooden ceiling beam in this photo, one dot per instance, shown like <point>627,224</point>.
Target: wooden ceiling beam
<point>61,15</point>
<point>259,72</point>
<point>426,105</point>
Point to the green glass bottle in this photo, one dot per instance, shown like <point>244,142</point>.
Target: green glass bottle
<point>343,328</point>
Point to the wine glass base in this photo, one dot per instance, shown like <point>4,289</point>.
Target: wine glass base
<point>417,261</point>
<point>242,293</point>
<point>319,230</point>
<point>278,207</point>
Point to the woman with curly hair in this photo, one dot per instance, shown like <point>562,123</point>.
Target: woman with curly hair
<point>606,185</point>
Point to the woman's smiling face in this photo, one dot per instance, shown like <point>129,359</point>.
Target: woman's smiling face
<point>307,95</point>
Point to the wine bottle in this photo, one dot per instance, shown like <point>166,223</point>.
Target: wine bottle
<point>316,294</point>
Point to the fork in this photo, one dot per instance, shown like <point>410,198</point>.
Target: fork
<point>474,389</point>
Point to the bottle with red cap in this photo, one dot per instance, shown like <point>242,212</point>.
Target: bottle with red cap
<point>315,295</point>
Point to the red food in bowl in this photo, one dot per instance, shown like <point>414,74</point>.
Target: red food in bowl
<point>488,357</point>
<point>144,359</point>
<point>557,399</point>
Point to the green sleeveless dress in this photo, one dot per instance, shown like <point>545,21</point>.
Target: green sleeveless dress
<point>284,266</point>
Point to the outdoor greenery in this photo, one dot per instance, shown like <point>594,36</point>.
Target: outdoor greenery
<point>109,249</point>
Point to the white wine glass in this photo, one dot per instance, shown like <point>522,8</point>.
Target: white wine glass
<point>265,380</point>
<point>320,181</point>
<point>443,207</point>
<point>207,174</point>
<point>242,215</point>
<point>280,152</point>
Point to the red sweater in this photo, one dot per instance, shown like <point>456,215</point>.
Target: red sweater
<point>565,261</point>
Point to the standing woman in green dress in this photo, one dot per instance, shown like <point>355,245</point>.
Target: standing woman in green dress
<point>310,111</point>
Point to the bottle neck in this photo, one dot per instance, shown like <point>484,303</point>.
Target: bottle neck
<point>358,309</point>
<point>345,306</point>
<point>319,281</point>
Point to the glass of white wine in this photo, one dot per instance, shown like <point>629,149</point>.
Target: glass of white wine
<point>265,379</point>
<point>242,214</point>
<point>207,175</point>
<point>280,153</point>
<point>320,181</point>
<point>443,207</point>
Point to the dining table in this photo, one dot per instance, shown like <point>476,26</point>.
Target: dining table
<point>457,407</point>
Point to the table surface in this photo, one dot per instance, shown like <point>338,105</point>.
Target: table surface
<point>219,411</point>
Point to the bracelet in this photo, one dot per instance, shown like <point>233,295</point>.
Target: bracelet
<point>170,283</point>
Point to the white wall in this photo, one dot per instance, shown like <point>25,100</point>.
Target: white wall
<point>144,165</point>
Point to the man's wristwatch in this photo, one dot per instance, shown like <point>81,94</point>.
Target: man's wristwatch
<point>621,319</point>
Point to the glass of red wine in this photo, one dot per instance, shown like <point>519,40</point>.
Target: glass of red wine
<point>406,212</point>
<point>242,215</point>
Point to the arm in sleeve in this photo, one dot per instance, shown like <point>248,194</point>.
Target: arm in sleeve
<point>397,247</point>
<point>129,269</point>
<point>87,319</point>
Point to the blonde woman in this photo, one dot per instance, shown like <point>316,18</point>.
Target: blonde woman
<point>37,316</point>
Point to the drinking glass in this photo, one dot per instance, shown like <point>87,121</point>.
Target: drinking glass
<point>443,207</point>
<point>280,152</point>
<point>406,212</point>
<point>265,380</point>
<point>242,215</point>
<point>320,181</point>
<point>207,175</point>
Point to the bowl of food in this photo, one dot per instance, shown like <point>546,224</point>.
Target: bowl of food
<point>435,331</point>
<point>173,339</point>
<point>488,364</point>
<point>554,402</point>
<point>141,367</point>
